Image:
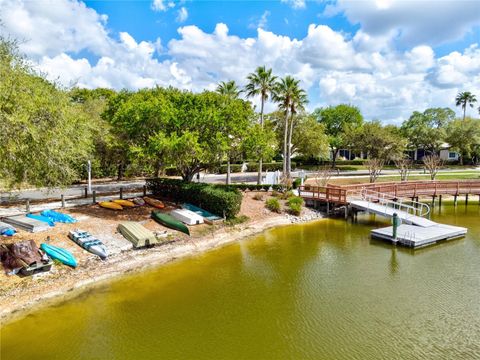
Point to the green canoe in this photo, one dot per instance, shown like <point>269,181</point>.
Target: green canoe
<point>169,221</point>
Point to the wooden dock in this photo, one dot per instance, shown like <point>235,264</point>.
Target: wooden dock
<point>400,198</point>
<point>417,236</point>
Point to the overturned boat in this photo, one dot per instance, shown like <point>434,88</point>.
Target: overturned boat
<point>24,257</point>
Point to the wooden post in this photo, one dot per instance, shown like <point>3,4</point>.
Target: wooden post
<point>86,192</point>
<point>27,206</point>
<point>144,190</point>
<point>454,200</point>
<point>328,208</point>
<point>62,197</point>
<point>466,199</point>
<point>440,201</point>
<point>121,193</point>
<point>94,196</point>
<point>346,211</point>
<point>433,200</point>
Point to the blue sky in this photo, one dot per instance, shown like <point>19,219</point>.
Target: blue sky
<point>389,57</point>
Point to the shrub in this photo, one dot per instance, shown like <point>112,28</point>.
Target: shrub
<point>218,199</point>
<point>273,204</point>
<point>295,209</point>
<point>295,200</point>
<point>296,183</point>
<point>287,194</point>
<point>258,196</point>
<point>295,204</point>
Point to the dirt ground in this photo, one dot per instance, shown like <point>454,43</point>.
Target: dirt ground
<point>19,293</point>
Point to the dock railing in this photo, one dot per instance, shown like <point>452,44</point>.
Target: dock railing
<point>374,198</point>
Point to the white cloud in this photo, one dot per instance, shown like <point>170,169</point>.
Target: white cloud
<point>162,5</point>
<point>182,14</point>
<point>412,22</point>
<point>260,22</point>
<point>296,4</point>
<point>362,69</point>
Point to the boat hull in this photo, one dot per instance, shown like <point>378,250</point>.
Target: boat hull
<point>110,205</point>
<point>170,222</point>
<point>154,202</point>
<point>60,254</point>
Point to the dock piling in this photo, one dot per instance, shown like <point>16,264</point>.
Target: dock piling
<point>62,199</point>
<point>86,192</point>
<point>27,206</point>
<point>121,193</point>
<point>94,196</point>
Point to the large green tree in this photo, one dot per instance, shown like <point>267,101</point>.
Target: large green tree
<point>261,82</point>
<point>44,137</point>
<point>464,99</point>
<point>464,137</point>
<point>427,130</point>
<point>337,120</point>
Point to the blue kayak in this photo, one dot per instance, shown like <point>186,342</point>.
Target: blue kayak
<point>41,218</point>
<point>60,254</point>
<point>56,216</point>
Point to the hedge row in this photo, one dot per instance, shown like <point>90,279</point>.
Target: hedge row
<point>218,199</point>
<point>252,166</point>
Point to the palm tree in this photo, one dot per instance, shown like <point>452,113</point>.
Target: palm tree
<point>463,99</point>
<point>298,102</point>
<point>285,92</point>
<point>229,88</point>
<point>261,82</point>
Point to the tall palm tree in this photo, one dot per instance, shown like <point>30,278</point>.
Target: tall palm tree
<point>298,102</point>
<point>261,82</point>
<point>463,99</point>
<point>229,88</point>
<point>285,92</point>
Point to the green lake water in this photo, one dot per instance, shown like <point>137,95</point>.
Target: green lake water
<point>319,291</point>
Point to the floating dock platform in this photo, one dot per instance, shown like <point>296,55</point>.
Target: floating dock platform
<point>418,236</point>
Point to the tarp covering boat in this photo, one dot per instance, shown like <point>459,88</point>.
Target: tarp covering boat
<point>25,223</point>
<point>169,221</point>
<point>137,234</point>
<point>56,216</point>
<point>41,218</point>
<point>24,257</point>
<point>7,229</point>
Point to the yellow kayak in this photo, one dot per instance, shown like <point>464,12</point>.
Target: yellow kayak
<point>124,203</point>
<point>110,205</point>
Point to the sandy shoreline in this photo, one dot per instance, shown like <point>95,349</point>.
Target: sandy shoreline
<point>62,283</point>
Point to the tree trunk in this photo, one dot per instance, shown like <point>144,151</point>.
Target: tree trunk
<point>334,157</point>
<point>228,172</point>
<point>289,148</point>
<point>285,140</point>
<point>260,161</point>
<point>158,169</point>
<point>464,111</point>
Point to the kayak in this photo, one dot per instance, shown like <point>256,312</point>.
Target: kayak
<point>124,203</point>
<point>60,254</point>
<point>89,243</point>
<point>139,201</point>
<point>41,218</point>
<point>110,205</point>
<point>169,221</point>
<point>154,202</point>
<point>58,217</point>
